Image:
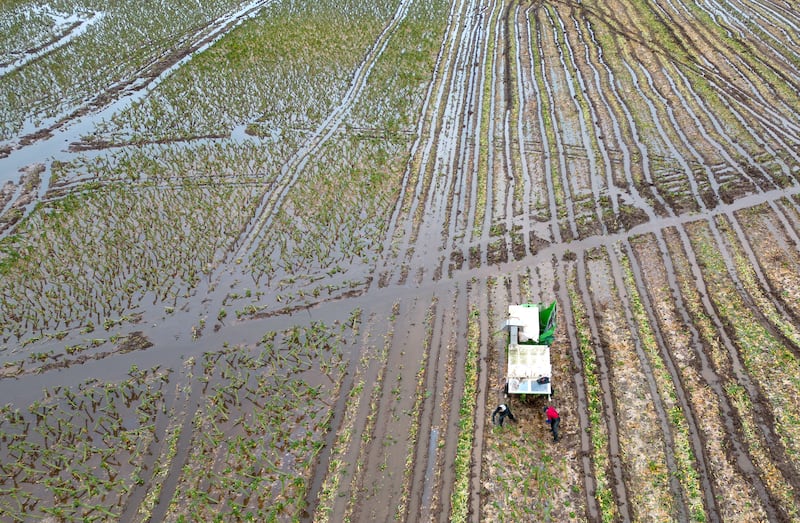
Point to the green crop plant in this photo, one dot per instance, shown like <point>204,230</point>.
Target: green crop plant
<point>246,390</point>
<point>684,455</point>
<point>459,500</point>
<point>598,435</point>
<point>760,352</point>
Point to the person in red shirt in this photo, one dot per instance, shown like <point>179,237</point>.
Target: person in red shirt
<point>553,419</point>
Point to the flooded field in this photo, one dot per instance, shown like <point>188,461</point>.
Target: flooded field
<point>255,258</point>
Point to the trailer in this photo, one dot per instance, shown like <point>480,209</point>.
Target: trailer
<point>531,329</point>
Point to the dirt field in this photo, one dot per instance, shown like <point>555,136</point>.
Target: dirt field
<point>255,265</point>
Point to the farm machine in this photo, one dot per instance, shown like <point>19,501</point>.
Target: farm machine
<point>531,329</point>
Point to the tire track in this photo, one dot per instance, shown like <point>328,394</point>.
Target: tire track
<point>647,369</point>
<point>291,171</point>
<point>739,447</point>
<point>610,414</point>
<point>728,45</point>
<point>404,222</point>
<point>698,450</point>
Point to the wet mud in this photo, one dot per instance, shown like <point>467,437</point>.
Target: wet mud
<point>294,347</point>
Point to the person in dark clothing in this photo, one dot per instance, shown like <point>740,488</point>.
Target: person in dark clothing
<point>553,419</point>
<point>504,412</point>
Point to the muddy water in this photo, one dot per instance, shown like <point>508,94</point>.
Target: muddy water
<point>50,141</point>
<point>554,101</point>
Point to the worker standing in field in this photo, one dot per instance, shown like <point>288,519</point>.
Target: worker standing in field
<point>553,419</point>
<point>504,412</point>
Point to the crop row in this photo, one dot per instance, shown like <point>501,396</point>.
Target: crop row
<point>769,367</point>
<point>598,432</point>
<point>636,398</point>
<point>357,485</point>
<point>334,218</point>
<point>260,426</point>
<point>459,501</point>
<point>77,453</point>
<point>526,475</point>
<point>88,260</point>
<point>120,42</point>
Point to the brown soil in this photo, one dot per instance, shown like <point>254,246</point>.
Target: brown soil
<point>643,173</point>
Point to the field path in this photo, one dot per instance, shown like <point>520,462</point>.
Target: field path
<point>636,162</point>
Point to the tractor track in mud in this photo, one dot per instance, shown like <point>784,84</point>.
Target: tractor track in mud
<point>558,155</point>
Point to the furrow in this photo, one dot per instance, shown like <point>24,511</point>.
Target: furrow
<point>483,226</point>
<point>292,170</point>
<point>611,415</point>
<point>462,215</point>
<point>479,301</point>
<point>415,202</point>
<point>731,364</point>
<point>588,125</point>
<point>397,226</point>
<point>615,100</point>
<point>480,189</point>
<point>677,384</point>
<point>648,146</point>
<point>602,116</point>
<point>729,162</point>
<point>768,241</point>
<point>520,225</point>
<point>712,417</point>
<point>683,174</point>
<point>543,117</point>
<point>621,268</point>
<point>431,480</point>
<point>381,495</point>
<point>771,79</point>
<point>562,203</point>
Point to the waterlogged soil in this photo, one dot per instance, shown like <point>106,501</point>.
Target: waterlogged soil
<point>635,162</point>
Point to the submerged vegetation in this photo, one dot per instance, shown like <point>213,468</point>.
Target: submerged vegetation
<point>253,254</point>
<point>247,423</point>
